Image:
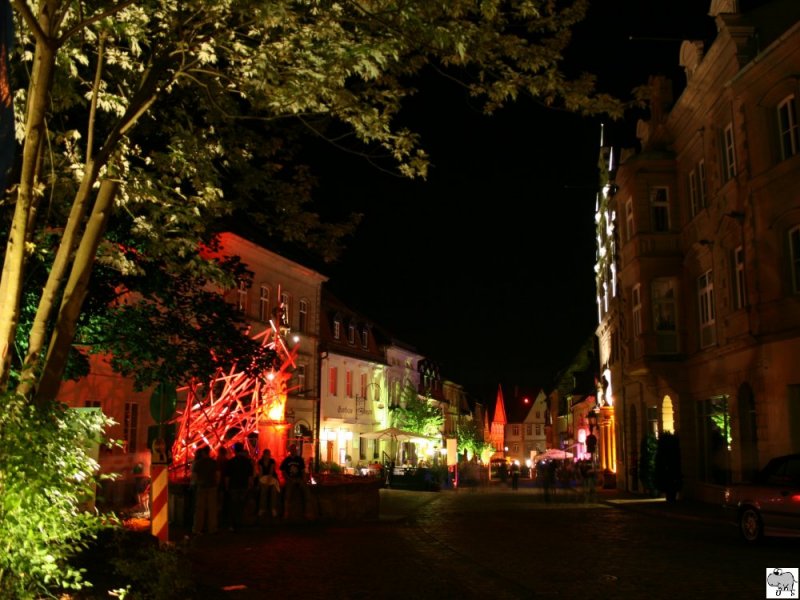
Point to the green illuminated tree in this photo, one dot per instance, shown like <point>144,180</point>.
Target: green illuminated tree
<point>418,413</point>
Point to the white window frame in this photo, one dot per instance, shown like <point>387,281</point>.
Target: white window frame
<point>300,373</point>
<point>706,309</point>
<point>694,194</point>
<point>659,208</point>
<point>701,182</point>
<point>286,303</point>
<point>263,303</point>
<point>728,153</point>
<point>629,231</point>
<point>351,334</point>
<point>787,126</point>
<point>302,315</point>
<point>337,329</point>
<point>740,291</point>
<point>636,318</point>
<point>241,296</point>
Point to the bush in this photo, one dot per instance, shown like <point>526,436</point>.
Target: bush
<point>647,463</point>
<point>47,482</point>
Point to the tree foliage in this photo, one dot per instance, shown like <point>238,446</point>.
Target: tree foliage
<point>171,115</point>
<point>419,414</point>
<point>46,477</point>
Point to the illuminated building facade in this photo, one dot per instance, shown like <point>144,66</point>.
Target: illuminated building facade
<point>698,272</point>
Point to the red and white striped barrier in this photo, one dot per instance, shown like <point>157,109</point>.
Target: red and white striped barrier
<point>159,502</point>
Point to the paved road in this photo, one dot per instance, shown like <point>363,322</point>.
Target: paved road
<point>493,543</point>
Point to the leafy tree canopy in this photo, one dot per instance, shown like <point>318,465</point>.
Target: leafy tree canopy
<point>163,117</point>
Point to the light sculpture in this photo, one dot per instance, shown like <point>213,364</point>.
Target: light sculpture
<point>229,408</point>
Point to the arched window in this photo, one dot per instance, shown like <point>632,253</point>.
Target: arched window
<point>667,415</point>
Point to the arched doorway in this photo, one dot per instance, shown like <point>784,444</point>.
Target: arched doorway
<point>667,415</point>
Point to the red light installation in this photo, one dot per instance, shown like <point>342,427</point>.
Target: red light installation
<point>230,407</point>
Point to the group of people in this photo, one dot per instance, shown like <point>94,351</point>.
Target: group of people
<point>222,486</point>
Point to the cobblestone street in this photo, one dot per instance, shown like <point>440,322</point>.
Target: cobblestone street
<point>495,543</point>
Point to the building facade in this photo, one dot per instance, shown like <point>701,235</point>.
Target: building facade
<point>698,273</point>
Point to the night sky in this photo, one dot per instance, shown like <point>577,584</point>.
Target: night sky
<point>488,266</point>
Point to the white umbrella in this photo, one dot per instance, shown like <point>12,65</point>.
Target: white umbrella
<point>393,433</point>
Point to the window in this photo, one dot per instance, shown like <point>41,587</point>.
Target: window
<point>365,337</point>
<point>92,404</point>
<point>130,426</point>
<point>337,329</point>
<point>286,303</point>
<point>705,298</point>
<point>636,303</point>
<point>363,385</point>
<point>538,430</point>
<point>300,373</point>
<point>740,292</point>
<point>348,383</point>
<point>528,429</point>
<point>263,303</point>
<point>351,334</point>
<point>787,124</point>
<point>302,315</point>
<point>241,296</point>
<point>629,219</point>
<point>515,430</point>
<point>333,376</point>
<point>728,153</point>
<point>701,182</point>
<point>794,253</point>
<point>665,308</point>
<point>659,206</point>
<point>694,193</point>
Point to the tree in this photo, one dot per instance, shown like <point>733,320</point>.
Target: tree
<point>418,415</point>
<point>103,74</point>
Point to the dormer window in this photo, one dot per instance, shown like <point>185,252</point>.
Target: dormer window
<point>364,337</point>
<point>337,329</point>
<point>351,334</point>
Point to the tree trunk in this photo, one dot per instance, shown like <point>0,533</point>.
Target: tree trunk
<point>14,262</point>
<point>74,293</point>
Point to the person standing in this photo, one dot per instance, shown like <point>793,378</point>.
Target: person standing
<point>205,480</point>
<point>238,480</point>
<point>293,470</point>
<point>268,485</point>
<point>222,495</point>
<point>515,475</point>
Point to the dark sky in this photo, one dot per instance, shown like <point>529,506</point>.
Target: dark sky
<point>487,266</point>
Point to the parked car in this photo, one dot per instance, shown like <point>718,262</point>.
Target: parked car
<point>770,506</point>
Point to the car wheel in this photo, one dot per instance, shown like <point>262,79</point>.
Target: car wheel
<point>750,525</point>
